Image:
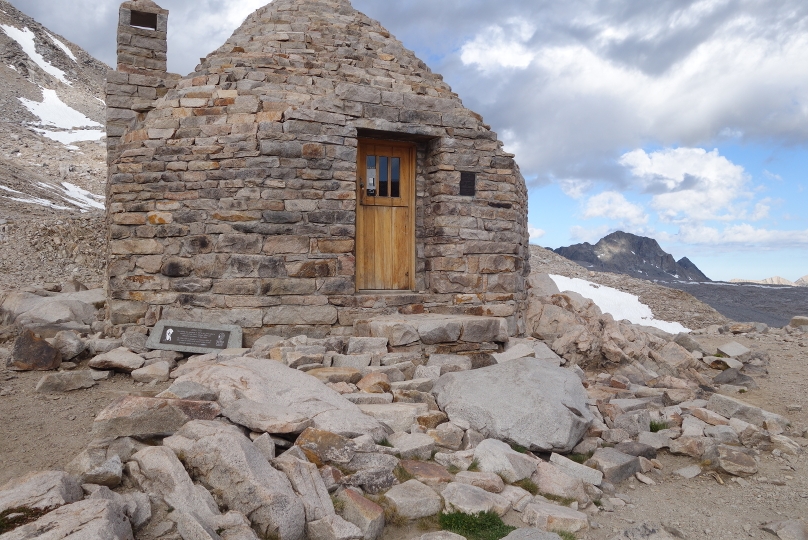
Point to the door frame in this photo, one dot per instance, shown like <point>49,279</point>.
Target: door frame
<point>361,172</point>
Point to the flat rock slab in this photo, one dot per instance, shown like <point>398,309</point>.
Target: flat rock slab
<point>615,466</point>
<point>65,381</point>
<point>413,446</point>
<point>120,359</point>
<point>426,472</point>
<point>730,407</point>
<point>397,416</point>
<point>91,519</point>
<point>587,474</point>
<point>733,349</point>
<point>336,374</point>
<point>414,500</point>
<point>468,499</point>
<point>134,416</point>
<point>488,481</point>
<point>527,401</point>
<point>435,328</point>
<point>40,491</point>
<point>273,383</point>
<point>547,516</point>
<point>262,417</point>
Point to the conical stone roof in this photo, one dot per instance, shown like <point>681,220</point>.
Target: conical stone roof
<point>237,192</point>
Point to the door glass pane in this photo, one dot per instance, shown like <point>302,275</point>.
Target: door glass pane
<point>371,176</point>
<point>383,175</point>
<point>395,177</point>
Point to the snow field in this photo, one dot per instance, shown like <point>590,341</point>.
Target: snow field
<point>618,304</point>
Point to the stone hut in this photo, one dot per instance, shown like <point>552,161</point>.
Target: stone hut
<point>311,173</point>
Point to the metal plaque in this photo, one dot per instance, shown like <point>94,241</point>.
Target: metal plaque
<point>194,337</point>
<point>468,184</point>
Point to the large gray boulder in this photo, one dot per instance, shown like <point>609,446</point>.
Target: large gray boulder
<point>527,401</point>
<point>40,491</point>
<point>274,384</point>
<point>223,459</point>
<point>85,520</point>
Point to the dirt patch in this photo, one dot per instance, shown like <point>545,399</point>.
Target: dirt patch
<point>41,431</point>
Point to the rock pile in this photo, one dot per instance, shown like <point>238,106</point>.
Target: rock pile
<point>339,437</point>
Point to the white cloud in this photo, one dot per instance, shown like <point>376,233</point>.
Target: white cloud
<point>574,187</point>
<point>615,206</point>
<point>692,184</point>
<point>742,235</point>
<point>582,234</point>
<point>534,232</point>
<point>500,46</point>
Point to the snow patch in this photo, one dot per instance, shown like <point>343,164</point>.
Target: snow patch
<point>25,38</point>
<point>62,46</point>
<point>53,112</point>
<point>68,137</point>
<point>77,196</point>
<point>32,200</point>
<point>618,304</point>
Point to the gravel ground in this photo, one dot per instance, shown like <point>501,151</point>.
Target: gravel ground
<point>769,304</point>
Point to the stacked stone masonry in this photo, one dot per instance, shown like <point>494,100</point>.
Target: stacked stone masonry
<point>234,199</point>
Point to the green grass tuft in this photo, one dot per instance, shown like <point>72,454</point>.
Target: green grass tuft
<point>658,425</point>
<point>453,469</point>
<point>385,442</point>
<point>564,501</point>
<point>565,535</point>
<point>475,466</point>
<point>484,526</point>
<point>401,474</point>
<point>580,458</point>
<point>518,448</point>
<point>528,485</point>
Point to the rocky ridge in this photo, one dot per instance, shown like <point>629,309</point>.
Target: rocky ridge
<point>633,255</point>
<point>776,280</point>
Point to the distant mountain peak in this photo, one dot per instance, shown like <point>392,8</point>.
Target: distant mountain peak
<point>638,256</point>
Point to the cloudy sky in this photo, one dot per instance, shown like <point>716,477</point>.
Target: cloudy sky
<point>684,120</point>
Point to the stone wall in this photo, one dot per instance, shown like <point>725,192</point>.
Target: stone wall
<point>234,199</point>
<point>141,75</point>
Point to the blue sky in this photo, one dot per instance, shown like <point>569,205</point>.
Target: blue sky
<point>684,120</point>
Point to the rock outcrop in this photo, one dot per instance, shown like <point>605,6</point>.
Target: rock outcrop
<point>637,256</point>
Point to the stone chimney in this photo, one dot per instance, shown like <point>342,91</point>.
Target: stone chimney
<point>141,76</point>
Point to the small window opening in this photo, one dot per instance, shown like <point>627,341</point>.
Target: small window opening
<point>468,184</point>
<point>142,19</point>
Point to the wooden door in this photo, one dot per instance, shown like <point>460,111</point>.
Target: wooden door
<point>385,215</point>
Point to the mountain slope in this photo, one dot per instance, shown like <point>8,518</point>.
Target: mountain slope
<point>637,256</point>
<point>52,155</point>
<point>51,116</point>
